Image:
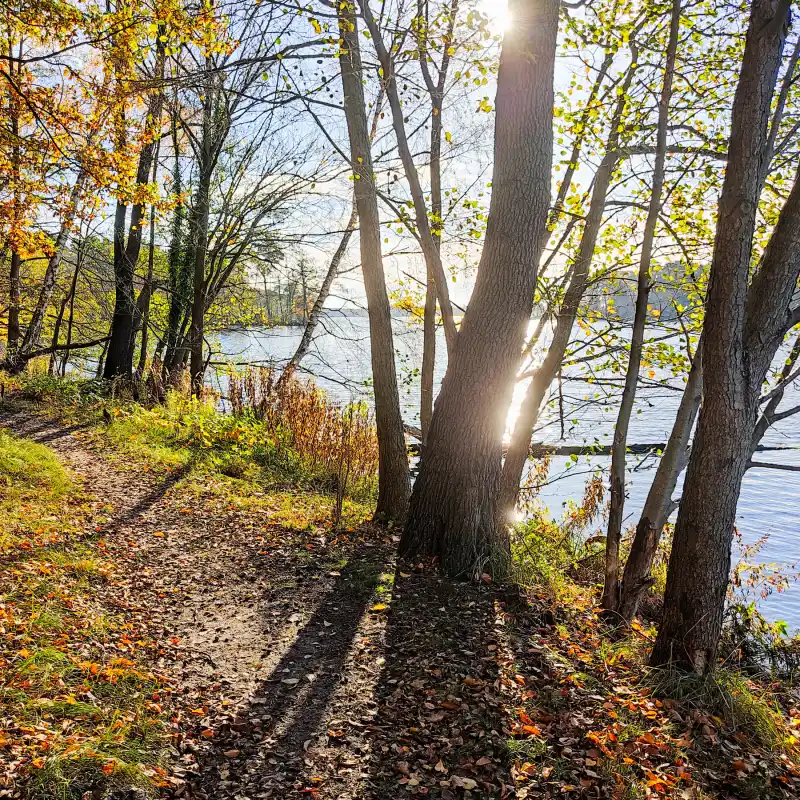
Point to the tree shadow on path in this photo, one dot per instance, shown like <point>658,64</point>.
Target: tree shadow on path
<point>439,720</point>
<point>262,747</point>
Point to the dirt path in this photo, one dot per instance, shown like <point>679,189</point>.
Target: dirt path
<point>297,678</point>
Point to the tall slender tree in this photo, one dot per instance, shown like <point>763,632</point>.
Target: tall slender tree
<point>393,477</point>
<point>614,533</point>
<point>119,358</point>
<point>741,334</point>
<point>518,449</point>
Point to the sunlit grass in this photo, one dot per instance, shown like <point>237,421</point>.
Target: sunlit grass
<point>78,718</point>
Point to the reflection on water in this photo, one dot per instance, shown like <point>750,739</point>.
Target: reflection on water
<point>339,360</point>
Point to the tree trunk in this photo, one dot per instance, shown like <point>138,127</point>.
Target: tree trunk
<point>699,565</point>
<point>51,367</point>
<point>23,352</point>
<point>393,478</point>
<point>430,249</point>
<point>70,320</point>
<point>196,333</point>
<point>454,502</point>
<point>119,360</point>
<point>15,301</point>
<point>176,267</point>
<point>659,504</point>
<point>428,362</point>
<point>147,290</point>
<point>518,448</point>
<point>199,233</point>
<point>436,92</point>
<point>319,304</point>
<point>610,599</point>
<point>102,360</point>
<point>14,278</point>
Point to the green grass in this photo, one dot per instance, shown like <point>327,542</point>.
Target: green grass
<point>94,724</point>
<point>33,487</point>
<point>731,696</point>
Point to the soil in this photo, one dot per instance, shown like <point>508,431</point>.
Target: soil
<point>308,662</point>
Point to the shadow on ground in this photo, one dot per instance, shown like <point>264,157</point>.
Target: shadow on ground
<point>263,746</point>
<point>438,725</point>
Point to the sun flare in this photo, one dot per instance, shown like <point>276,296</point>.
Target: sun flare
<point>499,14</point>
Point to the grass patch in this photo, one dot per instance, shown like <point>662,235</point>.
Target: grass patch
<point>77,716</point>
<point>289,438</point>
<point>730,696</point>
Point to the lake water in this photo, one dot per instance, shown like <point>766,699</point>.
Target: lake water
<point>339,362</point>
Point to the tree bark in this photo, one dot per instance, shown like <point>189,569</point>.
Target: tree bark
<point>517,453</point>
<point>15,301</point>
<point>199,233</point>
<point>147,290</point>
<point>319,303</point>
<point>610,599</point>
<point>14,277</point>
<point>453,512</point>
<point>71,318</point>
<point>659,504</point>
<point>333,270</point>
<point>428,362</point>
<point>51,367</point>
<point>119,359</point>
<point>699,565</point>
<point>393,478</point>
<point>34,329</point>
<point>176,267</point>
<point>436,92</point>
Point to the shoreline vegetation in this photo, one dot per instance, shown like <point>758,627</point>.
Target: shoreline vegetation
<point>548,698</point>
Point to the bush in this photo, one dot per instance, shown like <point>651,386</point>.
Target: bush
<point>548,554</point>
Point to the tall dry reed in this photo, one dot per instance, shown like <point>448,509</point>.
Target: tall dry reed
<point>337,441</point>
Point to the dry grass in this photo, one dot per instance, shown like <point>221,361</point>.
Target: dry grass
<point>335,440</point>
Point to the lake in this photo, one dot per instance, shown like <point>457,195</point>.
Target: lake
<point>339,361</point>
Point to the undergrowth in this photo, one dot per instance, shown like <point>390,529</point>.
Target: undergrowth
<point>288,435</point>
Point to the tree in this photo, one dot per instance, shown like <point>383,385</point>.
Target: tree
<point>741,334</point>
<point>436,90</point>
<point>119,358</point>
<point>393,477</point>
<point>430,248</point>
<point>517,453</point>
<point>454,502</point>
<point>610,598</point>
<point>659,503</point>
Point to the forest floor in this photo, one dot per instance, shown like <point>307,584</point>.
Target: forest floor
<point>284,659</point>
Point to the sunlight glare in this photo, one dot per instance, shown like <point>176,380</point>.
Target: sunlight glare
<point>498,13</point>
